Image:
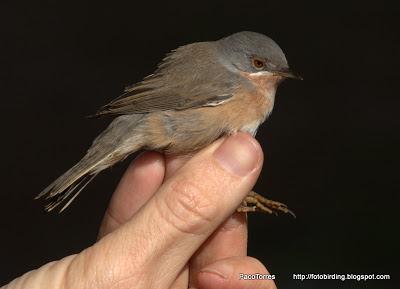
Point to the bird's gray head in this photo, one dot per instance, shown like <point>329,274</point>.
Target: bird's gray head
<point>253,52</point>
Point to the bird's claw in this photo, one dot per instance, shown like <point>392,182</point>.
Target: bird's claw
<point>257,203</point>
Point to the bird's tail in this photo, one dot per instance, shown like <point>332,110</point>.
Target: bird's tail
<point>67,187</point>
<point>104,152</point>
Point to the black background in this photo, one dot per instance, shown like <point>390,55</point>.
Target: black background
<point>331,144</point>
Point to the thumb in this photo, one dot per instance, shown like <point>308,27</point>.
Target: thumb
<point>151,249</point>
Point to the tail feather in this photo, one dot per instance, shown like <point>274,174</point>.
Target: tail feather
<point>65,197</point>
<point>67,187</point>
<point>69,178</point>
<point>121,138</point>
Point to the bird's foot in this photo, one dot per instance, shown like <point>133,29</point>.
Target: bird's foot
<point>257,203</point>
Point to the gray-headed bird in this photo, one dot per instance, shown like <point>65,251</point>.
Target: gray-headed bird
<point>198,93</point>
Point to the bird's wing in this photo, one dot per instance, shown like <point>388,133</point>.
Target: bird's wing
<point>188,77</point>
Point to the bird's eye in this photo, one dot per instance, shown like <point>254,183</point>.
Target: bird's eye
<point>258,63</point>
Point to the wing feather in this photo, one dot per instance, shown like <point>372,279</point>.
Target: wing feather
<point>188,77</point>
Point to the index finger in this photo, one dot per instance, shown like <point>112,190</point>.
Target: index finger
<point>133,190</point>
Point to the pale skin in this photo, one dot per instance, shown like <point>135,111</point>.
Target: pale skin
<point>171,223</point>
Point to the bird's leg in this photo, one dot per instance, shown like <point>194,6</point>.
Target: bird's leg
<point>257,203</point>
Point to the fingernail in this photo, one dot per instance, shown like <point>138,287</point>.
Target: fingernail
<point>220,269</point>
<point>239,154</point>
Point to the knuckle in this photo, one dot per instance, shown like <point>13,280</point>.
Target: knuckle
<point>80,266</point>
<point>187,207</point>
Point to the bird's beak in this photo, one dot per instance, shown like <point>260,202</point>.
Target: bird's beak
<point>287,73</point>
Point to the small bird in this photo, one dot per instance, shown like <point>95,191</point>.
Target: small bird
<point>198,93</point>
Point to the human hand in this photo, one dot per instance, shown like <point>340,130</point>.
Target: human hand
<point>170,224</point>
